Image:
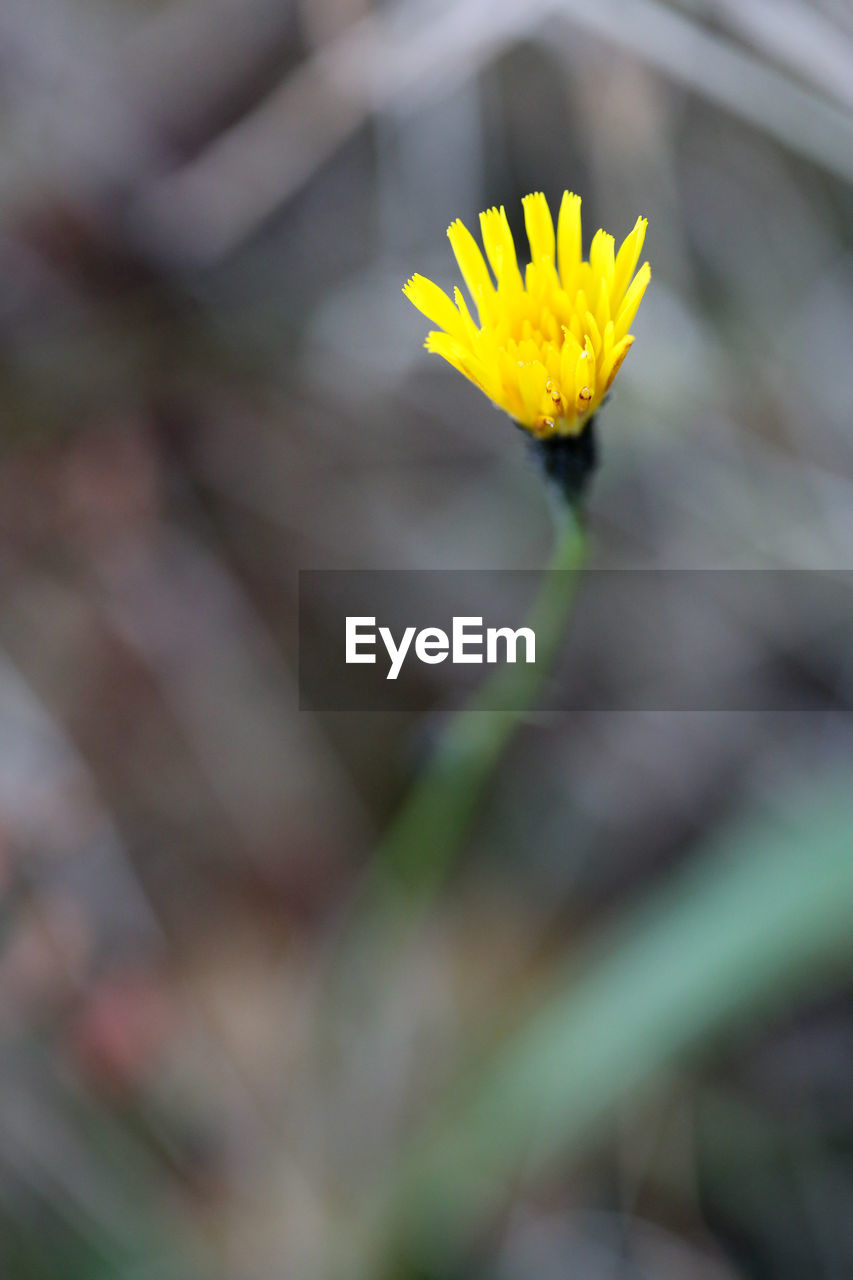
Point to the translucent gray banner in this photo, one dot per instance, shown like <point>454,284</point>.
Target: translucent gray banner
<point>680,640</point>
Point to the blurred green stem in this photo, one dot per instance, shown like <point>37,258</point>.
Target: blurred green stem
<point>417,850</point>
<point>418,847</point>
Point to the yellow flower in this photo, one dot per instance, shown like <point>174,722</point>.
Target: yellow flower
<point>548,344</point>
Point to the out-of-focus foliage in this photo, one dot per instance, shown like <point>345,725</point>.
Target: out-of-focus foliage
<point>210,380</point>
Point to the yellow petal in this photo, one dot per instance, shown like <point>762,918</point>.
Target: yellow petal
<point>632,300</point>
<point>626,261</point>
<point>434,304</point>
<point>569,238</point>
<point>457,354</point>
<point>531,383</point>
<point>591,326</point>
<point>602,307</point>
<point>536,279</point>
<point>507,367</point>
<point>606,344</point>
<point>475,273</point>
<point>601,256</point>
<point>540,227</point>
<point>528,350</point>
<point>568,361</point>
<point>471,331</point>
<point>614,361</point>
<point>500,247</point>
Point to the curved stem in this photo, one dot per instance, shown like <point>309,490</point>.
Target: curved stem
<point>418,849</point>
<point>420,843</point>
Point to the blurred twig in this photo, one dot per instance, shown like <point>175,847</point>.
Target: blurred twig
<point>720,71</point>
<point>799,36</point>
<point>209,205</point>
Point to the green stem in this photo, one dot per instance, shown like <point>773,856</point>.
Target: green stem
<point>417,851</point>
<point>418,847</point>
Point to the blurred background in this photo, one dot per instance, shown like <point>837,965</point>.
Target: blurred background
<point>210,380</point>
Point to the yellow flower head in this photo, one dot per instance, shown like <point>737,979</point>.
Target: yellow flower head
<point>548,344</point>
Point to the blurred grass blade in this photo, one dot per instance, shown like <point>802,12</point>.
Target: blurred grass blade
<point>752,922</point>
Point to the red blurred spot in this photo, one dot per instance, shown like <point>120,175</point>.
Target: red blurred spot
<point>120,1031</point>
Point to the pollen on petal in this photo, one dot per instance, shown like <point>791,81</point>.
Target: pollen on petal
<point>585,378</point>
